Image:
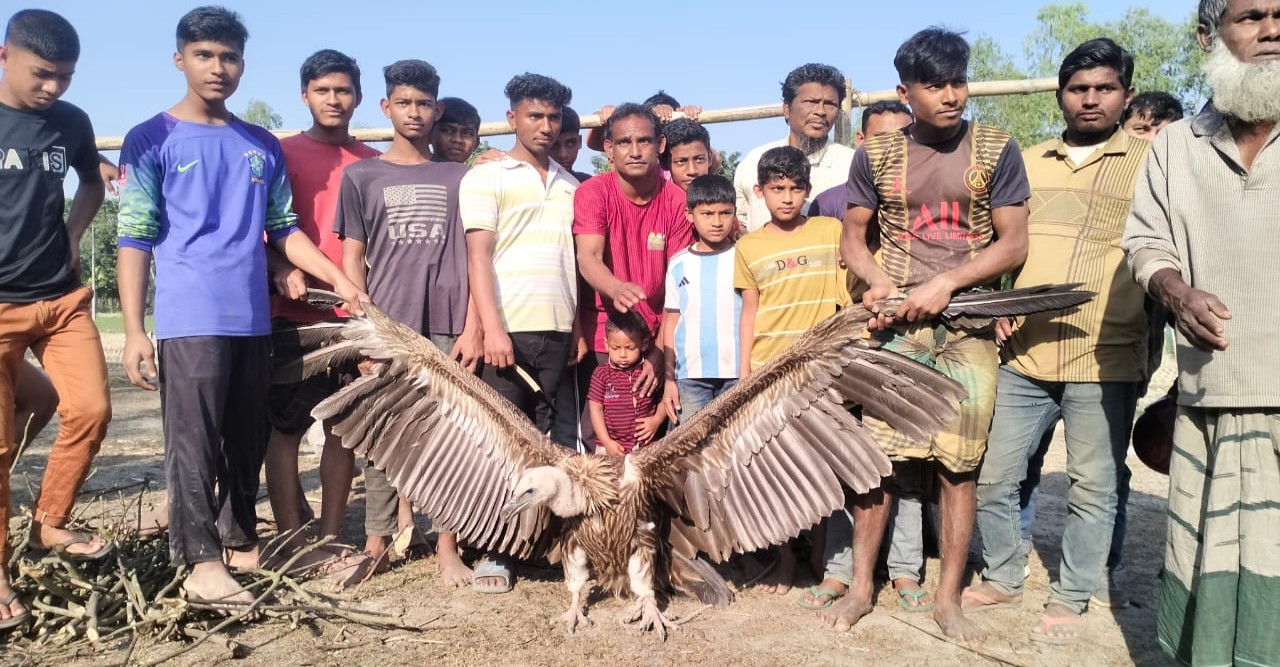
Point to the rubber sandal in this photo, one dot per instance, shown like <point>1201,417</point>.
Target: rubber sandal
<point>15,621</point>
<point>915,597</point>
<point>1049,623</point>
<point>60,549</point>
<point>814,591</point>
<point>986,602</point>
<point>491,567</point>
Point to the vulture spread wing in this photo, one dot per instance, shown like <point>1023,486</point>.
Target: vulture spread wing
<point>447,441</point>
<point>768,458</point>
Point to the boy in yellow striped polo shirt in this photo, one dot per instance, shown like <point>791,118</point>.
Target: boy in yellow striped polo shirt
<point>790,278</point>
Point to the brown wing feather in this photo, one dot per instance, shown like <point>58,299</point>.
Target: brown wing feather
<point>447,441</point>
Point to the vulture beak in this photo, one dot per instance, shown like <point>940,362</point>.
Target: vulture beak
<point>512,508</point>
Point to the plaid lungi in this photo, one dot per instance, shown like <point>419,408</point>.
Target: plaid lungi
<point>1219,594</point>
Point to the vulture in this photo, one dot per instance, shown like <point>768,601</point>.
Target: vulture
<point>762,462</point>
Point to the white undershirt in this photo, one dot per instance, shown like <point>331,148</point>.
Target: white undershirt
<point>1079,154</point>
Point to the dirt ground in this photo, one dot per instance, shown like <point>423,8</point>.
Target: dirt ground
<point>460,627</point>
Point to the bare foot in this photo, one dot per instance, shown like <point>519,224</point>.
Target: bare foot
<point>779,580</point>
<point>211,583</point>
<point>352,569</point>
<point>912,596</point>
<point>453,572</point>
<point>823,595</point>
<point>983,596</point>
<point>951,620</point>
<point>241,558</point>
<point>1059,624</point>
<point>848,611</point>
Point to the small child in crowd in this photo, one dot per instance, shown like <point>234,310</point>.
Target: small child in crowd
<point>567,146</point>
<point>622,417</point>
<point>688,154</point>
<point>703,311</point>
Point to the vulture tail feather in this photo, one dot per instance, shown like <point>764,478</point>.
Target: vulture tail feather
<point>696,577</point>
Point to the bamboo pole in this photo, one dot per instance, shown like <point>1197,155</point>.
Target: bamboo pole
<point>862,99</point>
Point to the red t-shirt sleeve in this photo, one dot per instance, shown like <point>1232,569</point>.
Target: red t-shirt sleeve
<point>595,391</point>
<point>588,209</point>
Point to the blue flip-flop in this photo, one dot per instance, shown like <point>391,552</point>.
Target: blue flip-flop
<point>491,567</point>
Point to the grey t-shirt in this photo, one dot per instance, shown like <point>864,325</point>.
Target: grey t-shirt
<point>407,217</point>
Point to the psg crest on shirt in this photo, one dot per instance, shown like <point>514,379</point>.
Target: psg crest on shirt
<point>257,166</point>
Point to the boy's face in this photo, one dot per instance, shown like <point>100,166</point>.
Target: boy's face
<point>1140,126</point>
<point>714,221</point>
<point>1093,101</point>
<point>565,149</point>
<point>332,99</point>
<point>413,112</point>
<point>883,123</point>
<point>30,82</point>
<point>813,111</point>
<point>624,351</point>
<point>212,69</point>
<point>634,146</point>
<point>784,198</point>
<point>454,142</point>
<point>689,161</point>
<point>939,104</point>
<point>537,124</point>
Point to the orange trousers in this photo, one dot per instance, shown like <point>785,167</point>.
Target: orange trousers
<point>62,334</point>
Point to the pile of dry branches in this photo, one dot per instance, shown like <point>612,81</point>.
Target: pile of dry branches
<point>133,598</point>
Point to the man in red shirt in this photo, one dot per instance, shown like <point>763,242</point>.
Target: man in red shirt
<point>314,160</point>
<point>627,225</point>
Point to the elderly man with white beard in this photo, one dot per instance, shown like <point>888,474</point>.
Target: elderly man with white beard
<point>1201,238</point>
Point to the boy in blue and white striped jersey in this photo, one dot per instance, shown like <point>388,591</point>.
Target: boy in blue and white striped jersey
<point>702,312</point>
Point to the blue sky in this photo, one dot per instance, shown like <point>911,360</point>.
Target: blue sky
<point>715,54</point>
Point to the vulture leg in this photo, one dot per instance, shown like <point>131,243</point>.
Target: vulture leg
<point>646,615</point>
<point>576,575</point>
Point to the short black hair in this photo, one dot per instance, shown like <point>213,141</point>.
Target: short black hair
<point>414,73</point>
<point>783,162</point>
<point>529,86</point>
<point>628,110</point>
<point>212,24</point>
<point>569,120</point>
<point>628,323</point>
<point>682,131</point>
<point>812,73</point>
<point>1160,107</point>
<point>659,98</point>
<point>710,189</point>
<point>328,61</point>
<point>933,55</point>
<point>880,108</point>
<point>1101,52</point>
<point>458,111</point>
<point>45,34</point>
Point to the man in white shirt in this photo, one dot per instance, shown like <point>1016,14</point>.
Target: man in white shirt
<point>811,97</point>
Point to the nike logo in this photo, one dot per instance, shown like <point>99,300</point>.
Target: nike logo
<point>182,168</point>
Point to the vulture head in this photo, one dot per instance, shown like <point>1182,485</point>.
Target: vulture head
<point>546,486</point>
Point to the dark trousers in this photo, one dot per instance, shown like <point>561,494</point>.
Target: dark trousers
<point>213,403</point>
<point>542,354</point>
<point>572,427</point>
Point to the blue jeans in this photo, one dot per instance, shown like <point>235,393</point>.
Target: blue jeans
<point>696,393</point>
<point>1097,417</point>
<point>906,528</point>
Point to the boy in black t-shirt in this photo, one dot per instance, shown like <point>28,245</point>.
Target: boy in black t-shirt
<point>43,306</point>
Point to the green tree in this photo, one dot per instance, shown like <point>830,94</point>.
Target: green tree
<point>1165,55</point>
<point>260,113</point>
<point>98,255</point>
<point>600,163</point>
<point>729,163</point>
<point>481,148</point>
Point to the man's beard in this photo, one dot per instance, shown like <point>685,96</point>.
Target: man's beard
<point>810,145</point>
<point>1247,91</point>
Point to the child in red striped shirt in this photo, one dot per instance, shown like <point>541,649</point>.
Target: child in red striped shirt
<point>622,417</point>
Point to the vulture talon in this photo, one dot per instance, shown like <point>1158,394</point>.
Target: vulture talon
<point>647,617</point>
<point>572,618</point>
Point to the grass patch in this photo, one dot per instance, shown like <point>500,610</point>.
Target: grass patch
<point>114,323</point>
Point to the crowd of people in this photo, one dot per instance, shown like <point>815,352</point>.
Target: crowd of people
<point>607,308</point>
